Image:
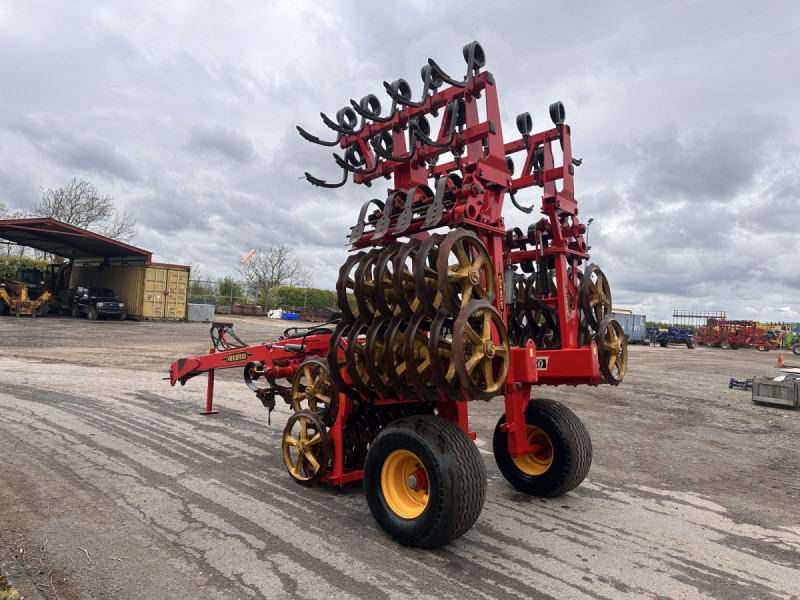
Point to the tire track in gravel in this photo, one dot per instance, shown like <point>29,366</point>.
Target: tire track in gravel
<point>93,417</point>
<point>96,418</point>
<point>507,583</point>
<point>170,496</point>
<point>639,514</point>
<point>207,487</point>
<point>113,427</point>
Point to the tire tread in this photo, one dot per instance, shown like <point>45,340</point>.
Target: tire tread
<point>577,453</point>
<point>462,481</point>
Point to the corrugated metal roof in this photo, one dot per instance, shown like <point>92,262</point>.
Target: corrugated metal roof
<point>61,239</point>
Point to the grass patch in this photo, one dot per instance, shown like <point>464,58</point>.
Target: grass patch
<point>6,591</point>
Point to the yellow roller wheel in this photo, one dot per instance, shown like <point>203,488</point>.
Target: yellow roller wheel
<point>481,350</point>
<point>306,447</point>
<point>404,483</point>
<point>312,389</point>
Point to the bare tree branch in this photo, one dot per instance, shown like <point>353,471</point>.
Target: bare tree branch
<point>276,265</point>
<point>81,204</point>
<point>10,249</point>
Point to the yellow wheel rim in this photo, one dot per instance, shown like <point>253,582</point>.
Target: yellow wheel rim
<point>538,462</point>
<point>404,483</point>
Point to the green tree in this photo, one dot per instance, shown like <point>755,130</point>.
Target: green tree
<point>199,288</point>
<point>277,265</point>
<point>298,298</point>
<point>229,291</point>
<point>10,264</point>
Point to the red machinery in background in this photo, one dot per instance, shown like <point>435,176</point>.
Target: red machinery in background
<point>729,334</point>
<point>433,320</point>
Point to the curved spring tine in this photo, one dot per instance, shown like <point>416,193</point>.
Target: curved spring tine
<point>450,135</point>
<point>400,100</point>
<point>357,230</point>
<point>426,140</point>
<point>345,165</point>
<point>382,224</point>
<point>315,140</point>
<point>429,82</point>
<point>383,154</point>
<point>338,128</point>
<point>324,184</point>
<point>525,209</point>
<point>475,58</point>
<point>404,219</point>
<point>446,77</point>
<point>375,118</point>
<point>436,209</point>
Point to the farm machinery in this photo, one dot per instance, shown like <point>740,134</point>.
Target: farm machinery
<point>784,338</point>
<point>731,335</point>
<point>14,299</point>
<point>450,307</point>
<point>33,291</point>
<point>672,335</point>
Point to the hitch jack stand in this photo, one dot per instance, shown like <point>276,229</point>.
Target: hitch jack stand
<point>209,410</point>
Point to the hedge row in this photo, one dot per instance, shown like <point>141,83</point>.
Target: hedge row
<point>10,264</point>
<point>295,297</point>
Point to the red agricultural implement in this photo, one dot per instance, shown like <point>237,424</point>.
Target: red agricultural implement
<point>448,307</point>
<point>728,334</point>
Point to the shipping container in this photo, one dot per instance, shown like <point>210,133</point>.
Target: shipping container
<point>153,291</point>
<point>634,326</point>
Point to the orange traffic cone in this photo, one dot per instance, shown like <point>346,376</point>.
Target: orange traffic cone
<point>780,360</point>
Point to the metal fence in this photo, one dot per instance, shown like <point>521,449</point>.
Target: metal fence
<point>224,293</point>
<point>221,293</point>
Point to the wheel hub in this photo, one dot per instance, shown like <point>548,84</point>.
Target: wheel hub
<point>404,483</point>
<point>474,276</point>
<point>417,480</point>
<point>309,393</point>
<point>489,348</point>
<point>540,461</point>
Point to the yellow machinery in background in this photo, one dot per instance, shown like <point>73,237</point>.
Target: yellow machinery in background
<point>14,296</point>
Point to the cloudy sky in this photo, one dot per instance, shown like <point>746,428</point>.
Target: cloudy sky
<point>687,116</point>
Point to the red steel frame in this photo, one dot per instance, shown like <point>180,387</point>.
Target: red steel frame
<point>486,180</point>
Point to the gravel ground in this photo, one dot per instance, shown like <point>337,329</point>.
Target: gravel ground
<point>112,486</point>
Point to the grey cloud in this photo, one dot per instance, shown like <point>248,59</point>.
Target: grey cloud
<point>83,151</point>
<point>683,113</point>
<point>172,211</point>
<point>715,163</point>
<point>18,189</point>
<point>222,141</point>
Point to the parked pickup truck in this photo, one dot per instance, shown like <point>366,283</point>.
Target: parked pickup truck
<point>96,302</point>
